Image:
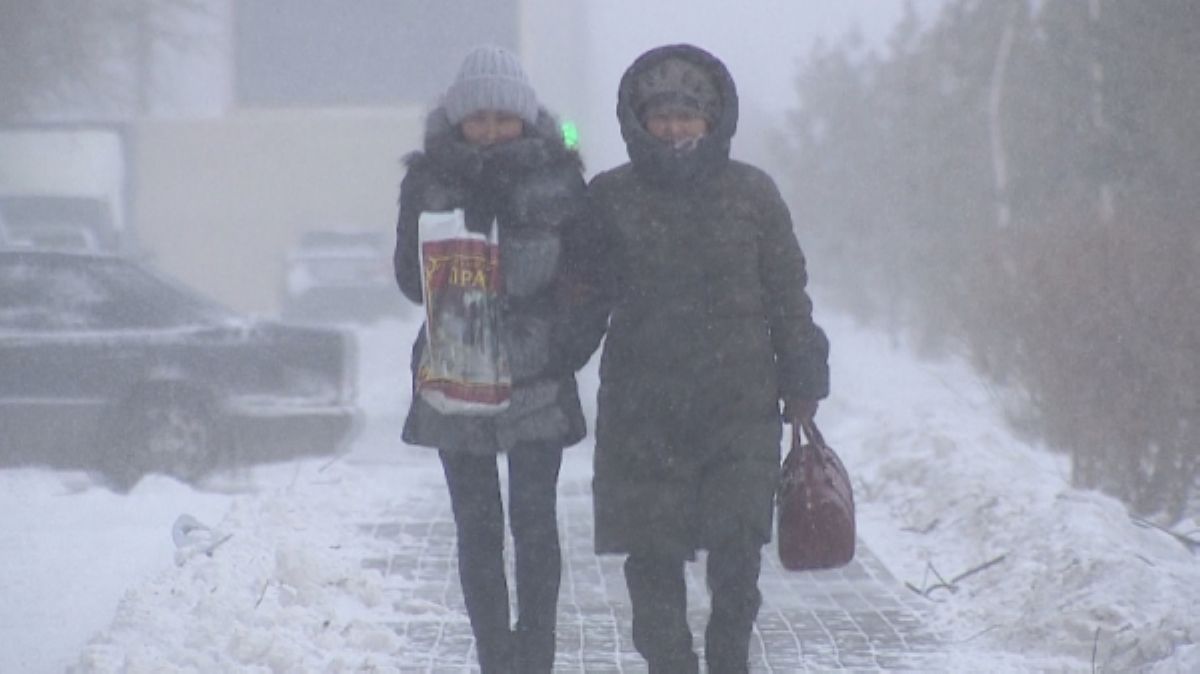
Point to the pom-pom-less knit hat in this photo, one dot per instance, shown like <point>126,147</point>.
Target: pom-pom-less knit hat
<point>490,78</point>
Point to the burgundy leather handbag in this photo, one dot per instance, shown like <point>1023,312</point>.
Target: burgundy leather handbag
<point>816,505</point>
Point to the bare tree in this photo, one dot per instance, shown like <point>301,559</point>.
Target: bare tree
<point>1069,128</point>
<point>55,50</point>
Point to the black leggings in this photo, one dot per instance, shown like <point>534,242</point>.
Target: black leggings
<point>474,484</point>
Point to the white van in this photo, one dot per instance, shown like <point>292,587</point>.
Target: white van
<point>64,187</point>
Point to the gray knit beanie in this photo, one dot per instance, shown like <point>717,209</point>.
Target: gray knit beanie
<point>490,78</point>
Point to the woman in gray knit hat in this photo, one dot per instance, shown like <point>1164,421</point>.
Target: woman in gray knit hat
<point>493,152</point>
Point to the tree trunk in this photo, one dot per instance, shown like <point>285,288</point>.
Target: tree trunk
<point>1105,204</point>
<point>995,98</point>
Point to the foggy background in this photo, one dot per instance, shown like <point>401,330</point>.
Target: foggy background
<point>249,123</point>
<point>1011,180</point>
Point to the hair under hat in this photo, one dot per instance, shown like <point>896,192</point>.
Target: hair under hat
<point>490,78</point>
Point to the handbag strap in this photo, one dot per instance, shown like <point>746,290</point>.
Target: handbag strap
<point>809,429</point>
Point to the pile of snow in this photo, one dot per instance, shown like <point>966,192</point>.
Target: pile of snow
<point>69,549</point>
<point>944,489</point>
<point>276,586</point>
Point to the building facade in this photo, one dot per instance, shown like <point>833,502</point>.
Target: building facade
<point>309,109</point>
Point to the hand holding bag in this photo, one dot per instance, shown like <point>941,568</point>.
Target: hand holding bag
<point>816,505</point>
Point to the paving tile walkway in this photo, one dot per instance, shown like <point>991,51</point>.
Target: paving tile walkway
<point>858,618</point>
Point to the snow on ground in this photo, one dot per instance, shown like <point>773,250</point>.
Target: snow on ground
<point>68,550</point>
<point>283,594</point>
<point>942,488</point>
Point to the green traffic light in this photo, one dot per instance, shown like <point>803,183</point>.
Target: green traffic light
<point>570,134</point>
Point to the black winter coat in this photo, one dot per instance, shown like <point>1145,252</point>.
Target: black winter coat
<point>694,264</point>
<point>532,187</point>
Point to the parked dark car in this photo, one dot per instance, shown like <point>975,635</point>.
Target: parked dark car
<point>107,365</point>
<point>341,277</point>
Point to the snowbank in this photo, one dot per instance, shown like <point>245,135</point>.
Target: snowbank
<point>284,592</point>
<point>944,488</point>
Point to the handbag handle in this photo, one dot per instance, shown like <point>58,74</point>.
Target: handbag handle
<point>809,429</point>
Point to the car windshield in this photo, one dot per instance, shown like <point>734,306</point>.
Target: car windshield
<point>77,223</point>
<point>64,292</point>
<point>54,236</point>
<point>34,210</point>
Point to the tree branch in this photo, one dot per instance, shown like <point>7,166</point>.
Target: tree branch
<point>1191,544</point>
<point>952,584</point>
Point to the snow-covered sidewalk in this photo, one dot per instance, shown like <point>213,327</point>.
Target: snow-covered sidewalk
<point>943,488</point>
<point>351,568</point>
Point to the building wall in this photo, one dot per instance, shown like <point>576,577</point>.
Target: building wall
<point>219,201</point>
<point>554,42</point>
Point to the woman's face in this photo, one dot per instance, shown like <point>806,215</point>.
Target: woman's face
<point>675,125</point>
<point>488,127</point>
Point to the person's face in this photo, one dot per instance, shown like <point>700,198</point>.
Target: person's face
<point>488,127</point>
<point>675,125</point>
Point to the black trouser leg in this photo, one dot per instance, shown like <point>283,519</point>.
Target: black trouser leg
<point>533,514</point>
<point>479,518</point>
<point>733,570</point>
<point>658,596</point>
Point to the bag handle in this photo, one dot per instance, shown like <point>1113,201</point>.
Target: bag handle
<point>809,429</point>
<point>800,448</point>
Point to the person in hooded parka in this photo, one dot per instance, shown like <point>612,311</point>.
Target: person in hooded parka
<point>491,150</point>
<point>693,269</point>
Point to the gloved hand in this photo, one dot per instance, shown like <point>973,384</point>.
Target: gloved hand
<point>799,410</point>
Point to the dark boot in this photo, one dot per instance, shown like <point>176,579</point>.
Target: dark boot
<point>532,481</point>
<point>534,651</point>
<point>495,653</point>
<point>689,664</point>
<point>733,570</point>
<point>658,596</point>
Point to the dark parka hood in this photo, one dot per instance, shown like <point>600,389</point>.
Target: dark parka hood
<point>657,160</point>
<point>449,155</point>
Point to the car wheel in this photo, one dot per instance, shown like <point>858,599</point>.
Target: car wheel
<point>177,439</point>
<point>172,436</point>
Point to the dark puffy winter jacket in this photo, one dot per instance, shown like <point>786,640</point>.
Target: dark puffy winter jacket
<point>533,189</point>
<point>693,264</point>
